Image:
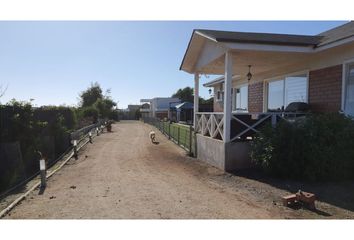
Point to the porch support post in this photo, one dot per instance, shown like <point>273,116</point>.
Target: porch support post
<point>196,98</point>
<point>227,96</point>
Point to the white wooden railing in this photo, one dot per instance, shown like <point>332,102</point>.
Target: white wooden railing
<point>210,124</point>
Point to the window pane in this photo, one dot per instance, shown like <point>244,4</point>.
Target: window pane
<point>276,95</point>
<point>349,101</point>
<point>244,98</point>
<point>240,99</point>
<point>295,89</point>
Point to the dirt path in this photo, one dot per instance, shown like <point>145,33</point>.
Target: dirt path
<point>123,175</point>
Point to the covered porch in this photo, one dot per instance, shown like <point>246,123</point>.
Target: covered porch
<point>239,61</point>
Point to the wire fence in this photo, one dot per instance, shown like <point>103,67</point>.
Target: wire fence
<point>79,135</point>
<point>182,135</point>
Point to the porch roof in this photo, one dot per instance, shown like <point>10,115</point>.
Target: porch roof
<point>251,37</point>
<point>264,51</point>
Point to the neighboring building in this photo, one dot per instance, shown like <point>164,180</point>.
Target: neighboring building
<point>262,74</point>
<point>145,110</point>
<point>159,107</point>
<point>131,113</point>
<point>182,112</point>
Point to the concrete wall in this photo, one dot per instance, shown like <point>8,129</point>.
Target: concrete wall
<point>227,157</point>
<point>211,151</point>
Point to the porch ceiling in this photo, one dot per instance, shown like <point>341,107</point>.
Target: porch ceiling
<point>262,62</point>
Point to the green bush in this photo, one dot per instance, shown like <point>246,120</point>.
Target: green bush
<point>318,147</point>
<point>50,114</point>
<point>32,128</point>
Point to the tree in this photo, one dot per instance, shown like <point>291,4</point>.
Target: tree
<point>91,95</point>
<point>206,101</point>
<point>185,94</point>
<point>94,104</point>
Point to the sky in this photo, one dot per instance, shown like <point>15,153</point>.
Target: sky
<point>52,62</point>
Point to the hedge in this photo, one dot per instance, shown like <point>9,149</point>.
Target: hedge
<point>319,147</point>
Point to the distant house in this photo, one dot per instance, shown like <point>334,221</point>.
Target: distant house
<point>263,76</point>
<point>159,106</point>
<point>182,112</point>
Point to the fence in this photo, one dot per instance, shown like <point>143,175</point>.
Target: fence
<point>182,135</point>
<point>20,178</point>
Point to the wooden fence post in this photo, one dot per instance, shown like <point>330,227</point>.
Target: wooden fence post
<point>190,140</point>
<point>169,130</point>
<point>75,149</point>
<point>90,136</point>
<point>43,170</point>
<point>178,135</point>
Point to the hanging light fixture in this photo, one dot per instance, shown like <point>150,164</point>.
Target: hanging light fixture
<point>209,91</point>
<point>249,74</point>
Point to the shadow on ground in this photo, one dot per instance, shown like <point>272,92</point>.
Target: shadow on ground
<point>339,194</point>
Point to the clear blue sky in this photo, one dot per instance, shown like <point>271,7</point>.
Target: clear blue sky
<point>52,62</point>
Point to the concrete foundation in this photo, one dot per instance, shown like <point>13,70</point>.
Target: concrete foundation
<point>225,156</point>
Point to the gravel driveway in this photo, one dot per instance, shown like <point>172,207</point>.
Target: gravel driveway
<point>123,175</point>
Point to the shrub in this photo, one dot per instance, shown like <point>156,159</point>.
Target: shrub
<point>318,147</point>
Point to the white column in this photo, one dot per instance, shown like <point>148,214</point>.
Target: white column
<point>196,98</point>
<point>227,96</point>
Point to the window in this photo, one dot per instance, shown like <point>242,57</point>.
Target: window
<point>240,99</point>
<point>276,95</point>
<point>349,90</point>
<point>282,92</point>
<point>220,93</point>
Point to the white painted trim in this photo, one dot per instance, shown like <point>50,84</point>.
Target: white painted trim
<point>196,98</point>
<point>344,75</point>
<point>334,44</point>
<point>269,47</point>
<point>206,36</point>
<point>227,96</point>
<point>344,81</point>
<point>265,96</point>
<point>233,102</point>
<point>219,80</point>
<point>279,77</point>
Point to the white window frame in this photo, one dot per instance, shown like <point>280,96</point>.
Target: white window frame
<point>234,100</point>
<point>282,77</point>
<point>344,81</point>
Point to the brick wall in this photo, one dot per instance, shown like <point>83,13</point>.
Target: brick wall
<point>218,106</point>
<point>255,97</point>
<point>325,89</point>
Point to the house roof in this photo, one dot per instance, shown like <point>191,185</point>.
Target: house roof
<point>202,39</point>
<point>267,38</point>
<point>336,34</point>
<point>218,80</point>
<point>184,105</point>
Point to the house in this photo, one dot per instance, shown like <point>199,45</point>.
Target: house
<point>159,106</point>
<point>260,75</point>
<point>182,112</point>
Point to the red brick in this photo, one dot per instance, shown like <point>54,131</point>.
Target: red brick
<point>325,89</point>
